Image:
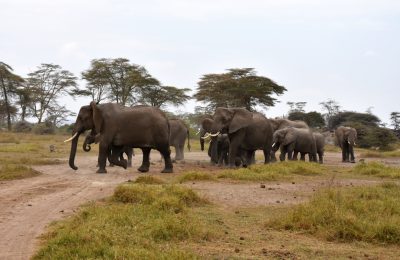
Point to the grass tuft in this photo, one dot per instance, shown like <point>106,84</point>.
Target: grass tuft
<point>148,180</point>
<point>14,171</point>
<point>196,176</point>
<point>140,230</point>
<point>376,169</point>
<point>274,171</point>
<point>370,214</point>
<point>376,154</point>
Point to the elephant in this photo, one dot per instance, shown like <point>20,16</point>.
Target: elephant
<point>178,134</point>
<point>117,126</point>
<point>291,139</point>
<point>247,133</point>
<point>90,139</point>
<point>346,138</point>
<point>280,123</point>
<point>320,144</point>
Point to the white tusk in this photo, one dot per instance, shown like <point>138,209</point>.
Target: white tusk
<point>205,136</point>
<point>213,135</point>
<point>70,139</point>
<point>198,132</point>
<point>348,142</point>
<point>354,144</point>
<point>273,144</point>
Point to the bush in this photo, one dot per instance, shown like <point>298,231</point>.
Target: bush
<point>44,128</point>
<point>22,127</point>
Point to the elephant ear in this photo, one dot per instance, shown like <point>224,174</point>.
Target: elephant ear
<point>97,117</point>
<point>241,118</point>
<point>290,137</point>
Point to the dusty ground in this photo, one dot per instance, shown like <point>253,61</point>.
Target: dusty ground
<point>29,205</point>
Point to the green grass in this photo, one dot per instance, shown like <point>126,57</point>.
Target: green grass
<point>16,171</point>
<point>148,180</point>
<point>139,222</point>
<point>195,176</point>
<point>377,154</point>
<point>376,169</point>
<point>369,214</point>
<point>273,172</point>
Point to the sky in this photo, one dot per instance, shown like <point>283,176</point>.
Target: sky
<point>346,50</point>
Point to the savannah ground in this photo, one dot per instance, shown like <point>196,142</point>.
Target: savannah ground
<point>234,216</point>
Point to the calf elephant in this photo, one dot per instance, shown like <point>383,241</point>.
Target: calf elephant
<point>346,138</point>
<point>179,132</point>
<point>292,139</point>
<point>117,126</point>
<point>247,133</point>
<point>320,145</point>
<point>90,139</point>
<point>280,123</point>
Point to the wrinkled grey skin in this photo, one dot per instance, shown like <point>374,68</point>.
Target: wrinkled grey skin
<point>223,149</point>
<point>320,144</point>
<point>179,132</point>
<point>280,123</point>
<point>90,139</point>
<point>206,125</point>
<point>292,139</point>
<point>247,133</point>
<point>346,139</point>
<point>116,126</point>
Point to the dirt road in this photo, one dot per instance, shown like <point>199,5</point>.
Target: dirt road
<point>29,205</point>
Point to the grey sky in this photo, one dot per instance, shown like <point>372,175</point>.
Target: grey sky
<point>347,50</point>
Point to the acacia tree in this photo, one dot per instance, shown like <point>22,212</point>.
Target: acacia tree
<point>296,106</point>
<point>159,96</point>
<point>47,83</point>
<point>9,83</point>
<point>332,108</point>
<point>237,88</point>
<point>115,79</point>
<point>395,119</point>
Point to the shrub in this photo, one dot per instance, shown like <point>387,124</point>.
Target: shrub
<point>370,214</point>
<point>44,128</point>
<point>22,127</point>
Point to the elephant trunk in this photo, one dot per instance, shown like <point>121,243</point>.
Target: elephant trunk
<point>74,144</point>
<point>86,145</point>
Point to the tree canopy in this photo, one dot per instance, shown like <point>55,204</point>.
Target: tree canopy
<point>237,88</point>
<point>313,118</point>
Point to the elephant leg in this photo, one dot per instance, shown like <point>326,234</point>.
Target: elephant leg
<point>117,157</point>
<point>290,155</point>
<point>267,156</point>
<point>273,156</point>
<point>103,154</point>
<point>351,152</point>
<point>282,156</point>
<point>295,155</point>
<point>166,153</point>
<point>146,160</point>
<point>179,152</point>
<point>321,157</point>
<point>129,154</point>
<point>344,153</point>
<point>234,150</point>
<point>303,157</point>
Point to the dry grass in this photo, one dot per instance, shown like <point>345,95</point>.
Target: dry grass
<point>376,169</point>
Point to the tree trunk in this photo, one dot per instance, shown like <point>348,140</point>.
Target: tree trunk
<point>7,105</point>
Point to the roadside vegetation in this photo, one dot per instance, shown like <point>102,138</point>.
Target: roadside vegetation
<point>369,214</point>
<point>376,169</point>
<point>138,222</point>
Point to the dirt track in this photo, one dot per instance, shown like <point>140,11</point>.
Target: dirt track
<point>29,205</point>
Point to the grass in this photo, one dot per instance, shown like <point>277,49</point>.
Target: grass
<point>368,214</point>
<point>139,222</point>
<point>376,169</point>
<point>377,154</point>
<point>273,172</point>
<point>195,176</point>
<point>14,171</point>
<point>148,180</point>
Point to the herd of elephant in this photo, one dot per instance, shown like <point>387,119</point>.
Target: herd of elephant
<point>235,134</point>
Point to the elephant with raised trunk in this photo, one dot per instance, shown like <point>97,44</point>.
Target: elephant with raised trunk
<point>290,139</point>
<point>117,126</point>
<point>346,138</point>
<point>247,133</point>
<point>179,132</point>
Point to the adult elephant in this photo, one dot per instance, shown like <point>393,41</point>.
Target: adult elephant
<point>320,145</point>
<point>90,139</point>
<point>280,123</point>
<point>117,126</point>
<point>291,139</point>
<point>205,130</point>
<point>247,133</point>
<point>179,132</point>
<point>346,138</point>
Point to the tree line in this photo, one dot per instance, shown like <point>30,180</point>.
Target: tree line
<point>118,80</point>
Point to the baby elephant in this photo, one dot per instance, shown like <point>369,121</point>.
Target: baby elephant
<point>291,139</point>
<point>320,144</point>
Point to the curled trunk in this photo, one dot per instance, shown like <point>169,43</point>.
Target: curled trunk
<point>86,146</point>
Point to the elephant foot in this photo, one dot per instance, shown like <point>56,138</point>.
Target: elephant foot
<point>167,170</point>
<point>101,171</point>
<point>353,161</point>
<point>111,165</point>
<point>124,164</point>
<point>174,161</point>
<point>143,168</point>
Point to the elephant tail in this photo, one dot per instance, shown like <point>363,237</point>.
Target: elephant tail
<point>188,137</point>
